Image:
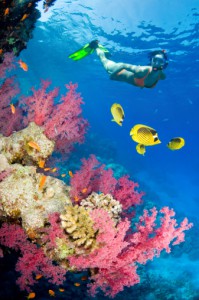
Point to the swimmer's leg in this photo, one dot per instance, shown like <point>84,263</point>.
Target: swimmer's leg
<point>110,66</point>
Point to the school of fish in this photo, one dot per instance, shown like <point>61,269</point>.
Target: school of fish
<point>142,134</point>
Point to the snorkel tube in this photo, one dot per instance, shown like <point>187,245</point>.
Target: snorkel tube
<point>152,54</point>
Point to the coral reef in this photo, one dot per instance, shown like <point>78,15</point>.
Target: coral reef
<point>62,121</point>
<point>20,192</point>
<point>18,18</point>
<point>22,198</point>
<point>38,216</point>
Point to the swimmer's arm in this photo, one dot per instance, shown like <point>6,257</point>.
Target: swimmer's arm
<point>138,70</point>
<point>141,71</point>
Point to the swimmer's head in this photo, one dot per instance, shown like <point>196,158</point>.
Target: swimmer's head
<point>158,60</point>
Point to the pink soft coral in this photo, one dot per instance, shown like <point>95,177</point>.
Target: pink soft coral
<point>54,231</point>
<point>8,90</point>
<point>93,177</point>
<point>39,106</point>
<point>125,192</point>
<point>62,122</point>
<point>32,261</point>
<point>119,253</point>
<point>7,65</point>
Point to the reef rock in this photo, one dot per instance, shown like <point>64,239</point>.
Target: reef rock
<point>21,197</point>
<point>16,147</point>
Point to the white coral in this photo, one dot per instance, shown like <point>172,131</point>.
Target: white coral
<point>107,202</point>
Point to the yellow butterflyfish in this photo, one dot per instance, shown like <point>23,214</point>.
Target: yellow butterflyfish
<point>117,113</point>
<point>144,135</point>
<point>176,143</point>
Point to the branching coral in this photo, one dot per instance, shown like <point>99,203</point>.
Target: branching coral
<point>79,226</point>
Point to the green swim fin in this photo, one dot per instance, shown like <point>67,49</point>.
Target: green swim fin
<point>81,53</point>
<point>86,50</point>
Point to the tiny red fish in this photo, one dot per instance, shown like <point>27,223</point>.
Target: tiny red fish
<point>41,164</point>
<point>77,284</point>
<point>34,145</point>
<point>70,173</point>
<point>84,278</point>
<point>31,295</point>
<point>23,18</point>
<point>76,198</point>
<point>23,65</point>
<point>39,276</point>
<point>84,190</point>
<point>13,110</point>
<point>47,169</point>
<point>6,12</point>
<point>51,293</point>
<point>42,181</point>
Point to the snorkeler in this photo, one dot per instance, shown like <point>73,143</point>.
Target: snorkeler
<point>140,76</point>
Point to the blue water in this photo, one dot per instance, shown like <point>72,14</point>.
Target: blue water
<point>130,30</point>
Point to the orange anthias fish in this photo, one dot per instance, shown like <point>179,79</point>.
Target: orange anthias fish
<point>77,284</point>
<point>84,278</point>
<point>39,276</point>
<point>70,173</point>
<point>34,145</point>
<point>13,110</point>
<point>61,290</point>
<point>23,18</point>
<point>47,169</point>
<point>63,175</point>
<point>31,295</point>
<point>54,170</point>
<point>76,198</point>
<point>51,293</point>
<point>23,65</point>
<point>41,164</point>
<point>84,190</point>
<point>42,181</point>
<point>6,12</point>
